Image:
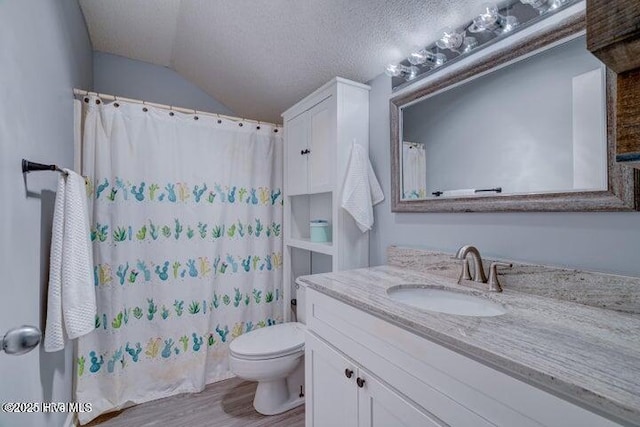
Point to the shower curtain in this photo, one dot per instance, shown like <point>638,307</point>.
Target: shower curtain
<point>414,170</point>
<point>187,245</point>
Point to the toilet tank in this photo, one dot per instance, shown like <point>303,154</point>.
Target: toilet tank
<point>301,298</point>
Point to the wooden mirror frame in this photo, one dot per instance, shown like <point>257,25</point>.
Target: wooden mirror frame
<point>623,192</point>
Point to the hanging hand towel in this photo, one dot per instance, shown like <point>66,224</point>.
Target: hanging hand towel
<point>71,305</point>
<point>361,189</point>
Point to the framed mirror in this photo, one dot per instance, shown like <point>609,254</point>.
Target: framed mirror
<point>527,127</point>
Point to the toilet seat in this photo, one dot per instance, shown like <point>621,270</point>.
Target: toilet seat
<point>271,342</point>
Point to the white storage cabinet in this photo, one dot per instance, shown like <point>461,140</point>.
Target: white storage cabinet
<point>319,132</point>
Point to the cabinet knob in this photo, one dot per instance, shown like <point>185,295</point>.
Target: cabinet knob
<point>301,152</point>
<point>360,382</point>
<point>348,373</point>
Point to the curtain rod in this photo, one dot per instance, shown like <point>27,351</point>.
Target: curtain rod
<point>81,92</point>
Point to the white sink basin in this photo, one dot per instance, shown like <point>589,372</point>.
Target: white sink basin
<point>441,300</point>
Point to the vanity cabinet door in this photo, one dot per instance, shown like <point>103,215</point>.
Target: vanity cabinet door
<point>297,137</point>
<point>379,406</point>
<point>331,391</point>
<point>321,147</point>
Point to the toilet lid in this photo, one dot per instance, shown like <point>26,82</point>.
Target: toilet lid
<point>276,340</point>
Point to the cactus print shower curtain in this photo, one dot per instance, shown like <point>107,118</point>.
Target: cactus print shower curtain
<point>187,248</point>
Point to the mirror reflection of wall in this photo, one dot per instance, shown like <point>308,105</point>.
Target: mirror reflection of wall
<point>414,170</point>
<point>536,126</point>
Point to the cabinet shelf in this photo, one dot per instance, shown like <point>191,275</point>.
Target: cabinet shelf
<point>307,244</point>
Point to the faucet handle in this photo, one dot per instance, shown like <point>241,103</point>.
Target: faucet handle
<point>465,273</point>
<point>494,284</point>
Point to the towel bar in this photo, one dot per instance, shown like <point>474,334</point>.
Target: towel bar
<point>481,190</point>
<point>28,166</point>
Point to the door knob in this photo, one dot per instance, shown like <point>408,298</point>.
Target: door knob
<point>360,382</point>
<point>348,373</point>
<point>20,340</point>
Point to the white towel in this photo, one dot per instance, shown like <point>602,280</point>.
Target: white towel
<point>361,189</point>
<point>71,305</point>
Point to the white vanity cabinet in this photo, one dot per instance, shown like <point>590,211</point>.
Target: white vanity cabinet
<point>330,377</point>
<point>347,395</point>
<point>411,381</point>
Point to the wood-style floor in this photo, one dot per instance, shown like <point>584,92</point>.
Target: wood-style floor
<point>224,404</point>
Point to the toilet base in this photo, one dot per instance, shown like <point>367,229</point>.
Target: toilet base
<point>273,397</point>
<point>281,395</point>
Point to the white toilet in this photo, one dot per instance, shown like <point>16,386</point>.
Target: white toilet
<point>273,356</point>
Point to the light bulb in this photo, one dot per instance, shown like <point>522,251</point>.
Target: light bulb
<point>543,6</point>
<point>412,72</point>
<point>540,5</point>
<point>424,57</point>
<point>488,19</point>
<point>439,59</point>
<point>469,44</point>
<point>509,23</point>
<point>450,39</point>
<point>556,4</point>
<point>409,73</point>
<point>393,70</point>
<point>491,20</point>
<point>418,57</point>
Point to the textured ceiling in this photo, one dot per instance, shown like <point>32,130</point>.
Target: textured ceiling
<point>259,57</point>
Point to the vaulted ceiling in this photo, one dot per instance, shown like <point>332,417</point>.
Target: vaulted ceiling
<point>258,57</point>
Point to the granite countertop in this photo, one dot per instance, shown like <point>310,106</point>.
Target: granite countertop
<point>586,354</point>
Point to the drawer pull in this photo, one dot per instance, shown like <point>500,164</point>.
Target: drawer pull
<point>360,382</point>
<point>348,373</point>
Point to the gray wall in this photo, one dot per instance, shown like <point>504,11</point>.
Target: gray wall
<point>116,75</point>
<point>44,52</point>
<point>606,242</point>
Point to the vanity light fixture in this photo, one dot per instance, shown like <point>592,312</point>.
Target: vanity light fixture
<point>495,22</point>
<point>491,20</point>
